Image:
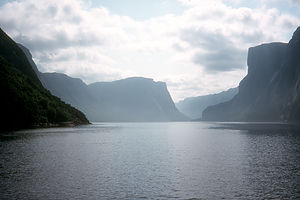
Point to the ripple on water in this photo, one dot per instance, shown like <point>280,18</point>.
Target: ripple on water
<point>152,161</point>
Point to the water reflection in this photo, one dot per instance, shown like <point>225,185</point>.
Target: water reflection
<point>151,161</point>
<point>272,153</point>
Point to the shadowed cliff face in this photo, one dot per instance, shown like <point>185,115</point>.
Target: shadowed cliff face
<point>270,91</point>
<point>288,80</point>
<point>263,63</point>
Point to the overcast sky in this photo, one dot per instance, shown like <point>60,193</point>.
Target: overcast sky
<point>197,47</point>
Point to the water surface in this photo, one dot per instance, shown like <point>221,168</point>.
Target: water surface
<point>152,161</point>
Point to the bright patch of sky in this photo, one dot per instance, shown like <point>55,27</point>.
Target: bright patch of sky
<point>197,47</point>
<point>141,9</point>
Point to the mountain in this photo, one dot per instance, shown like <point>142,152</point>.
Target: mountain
<point>271,89</point>
<point>128,100</point>
<point>194,106</point>
<point>31,62</point>
<point>131,99</point>
<point>24,103</point>
<point>11,52</point>
<point>73,91</point>
<point>134,99</point>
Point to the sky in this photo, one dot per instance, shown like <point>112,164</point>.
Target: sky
<point>197,47</point>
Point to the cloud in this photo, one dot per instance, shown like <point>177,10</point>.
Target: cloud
<point>191,51</point>
<point>60,39</point>
<point>221,60</point>
<point>218,53</point>
<point>221,35</point>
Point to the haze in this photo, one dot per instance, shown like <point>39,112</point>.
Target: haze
<point>196,47</point>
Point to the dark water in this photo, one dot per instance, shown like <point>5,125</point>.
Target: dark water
<point>152,161</point>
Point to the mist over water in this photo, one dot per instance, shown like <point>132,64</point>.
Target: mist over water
<point>152,161</point>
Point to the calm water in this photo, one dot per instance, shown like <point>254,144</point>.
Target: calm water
<point>152,161</point>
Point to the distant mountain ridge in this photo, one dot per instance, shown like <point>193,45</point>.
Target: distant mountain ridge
<point>271,89</point>
<point>134,99</point>
<point>194,106</point>
<point>24,103</point>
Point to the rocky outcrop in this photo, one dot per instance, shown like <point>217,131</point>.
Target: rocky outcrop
<point>270,91</point>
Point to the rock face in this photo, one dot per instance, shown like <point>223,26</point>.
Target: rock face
<point>270,91</point>
<point>134,99</point>
<point>127,100</point>
<point>24,103</point>
<point>194,106</point>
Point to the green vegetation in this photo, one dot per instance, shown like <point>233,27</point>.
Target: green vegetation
<point>25,104</point>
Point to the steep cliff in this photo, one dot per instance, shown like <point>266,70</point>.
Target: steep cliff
<point>134,99</point>
<point>284,90</point>
<point>270,91</point>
